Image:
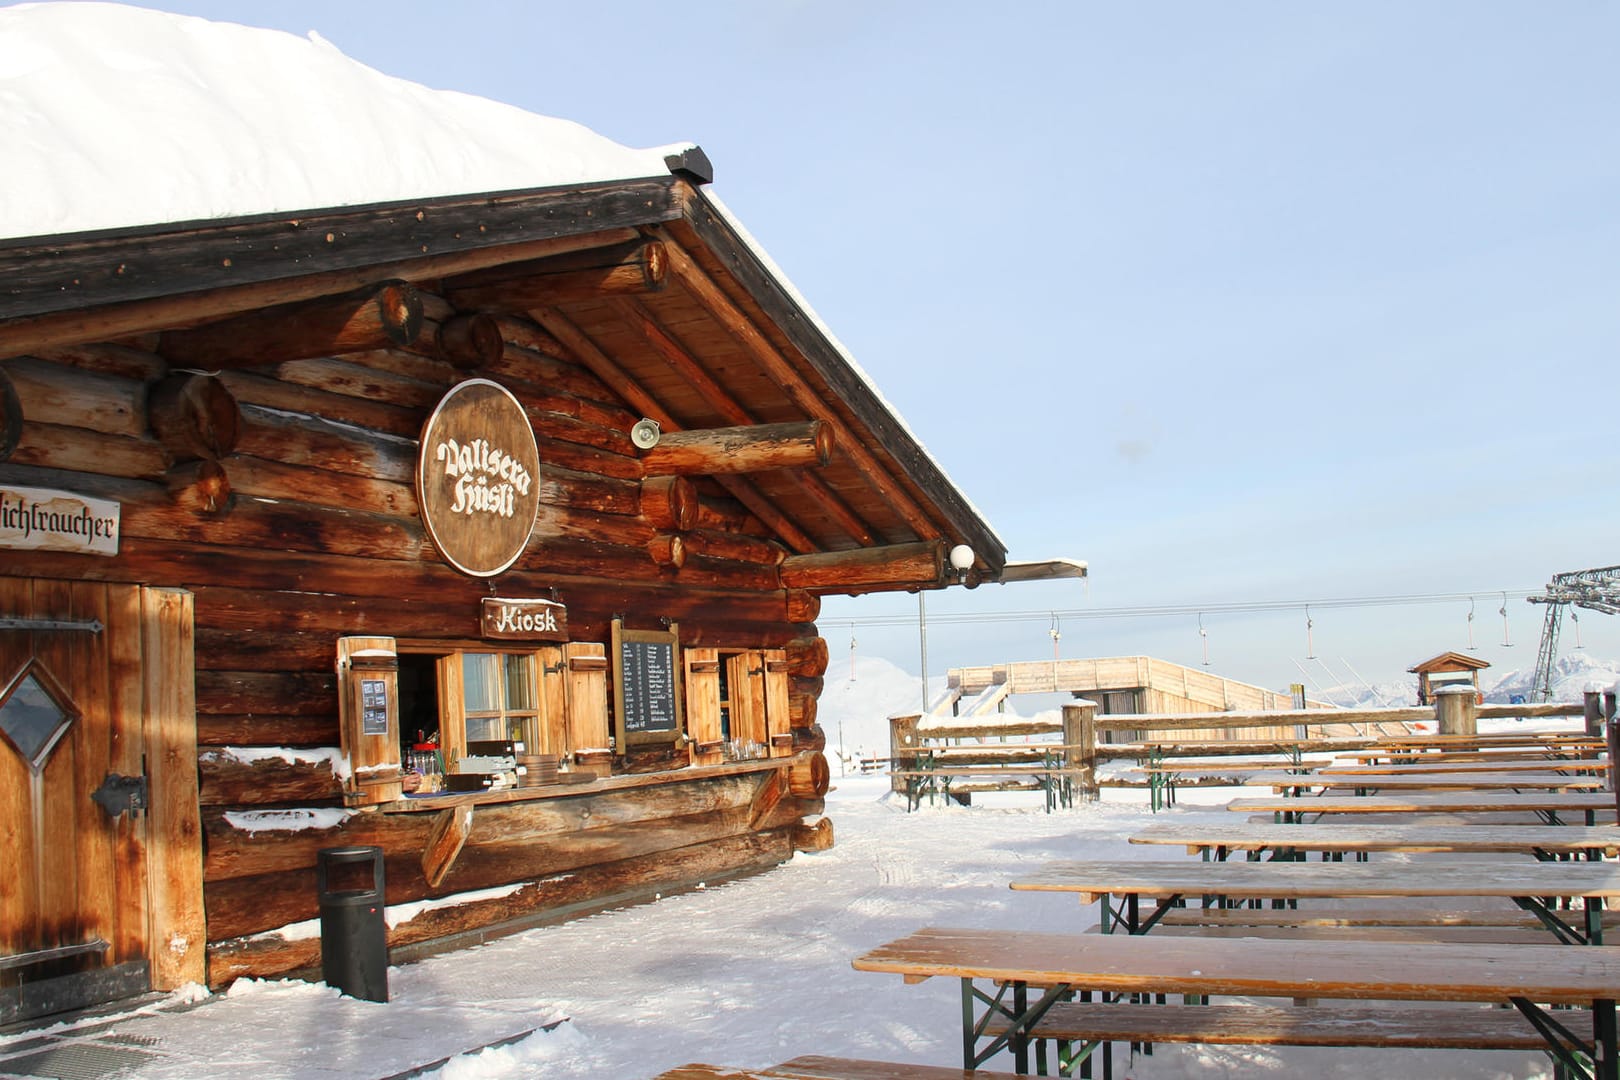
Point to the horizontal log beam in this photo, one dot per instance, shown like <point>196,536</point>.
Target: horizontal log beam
<point>744,449</point>
<point>547,897</point>
<point>371,318</point>
<point>53,394</point>
<point>605,368</point>
<point>633,269</point>
<point>916,564</point>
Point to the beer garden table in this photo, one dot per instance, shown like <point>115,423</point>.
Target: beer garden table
<point>1017,977</point>
<point>1536,887</point>
<point>1285,840</point>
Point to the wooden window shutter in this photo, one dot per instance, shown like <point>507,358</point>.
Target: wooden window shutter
<point>587,678</point>
<point>745,678</point>
<point>368,717</point>
<point>551,702</point>
<point>703,705</point>
<point>778,722</point>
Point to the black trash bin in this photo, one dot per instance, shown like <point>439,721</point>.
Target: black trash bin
<point>354,937</point>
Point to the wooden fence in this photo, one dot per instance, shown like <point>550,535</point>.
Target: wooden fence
<point>1084,734</point>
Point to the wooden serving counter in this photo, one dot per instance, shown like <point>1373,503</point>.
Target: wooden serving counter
<point>578,782</point>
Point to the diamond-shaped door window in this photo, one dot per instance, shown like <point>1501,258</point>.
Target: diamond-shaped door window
<point>34,715</point>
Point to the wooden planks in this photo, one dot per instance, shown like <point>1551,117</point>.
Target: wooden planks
<point>1453,971</point>
<point>1300,880</point>
<point>1516,839</point>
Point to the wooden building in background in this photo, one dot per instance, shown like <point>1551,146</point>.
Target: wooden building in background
<point>294,506</point>
<point>1448,669</point>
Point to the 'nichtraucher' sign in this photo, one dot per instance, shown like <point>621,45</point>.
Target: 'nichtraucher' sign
<point>40,519</point>
<point>476,478</point>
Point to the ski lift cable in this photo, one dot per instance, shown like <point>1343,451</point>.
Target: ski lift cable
<point>1154,611</point>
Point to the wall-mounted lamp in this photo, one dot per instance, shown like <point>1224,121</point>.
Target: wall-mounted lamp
<point>644,433</point>
<point>961,559</point>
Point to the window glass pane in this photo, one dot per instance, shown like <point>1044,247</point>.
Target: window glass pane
<point>32,720</point>
<point>519,682</point>
<point>480,674</point>
<point>485,728</point>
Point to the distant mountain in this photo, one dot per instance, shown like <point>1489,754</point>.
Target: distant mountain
<point>855,711</point>
<point>1571,674</point>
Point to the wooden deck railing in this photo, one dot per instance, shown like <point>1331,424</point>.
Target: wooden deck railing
<point>1085,743</point>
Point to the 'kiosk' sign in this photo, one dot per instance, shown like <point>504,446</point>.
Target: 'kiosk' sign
<point>476,478</point>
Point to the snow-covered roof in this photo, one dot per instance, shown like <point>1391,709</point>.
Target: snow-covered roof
<point>114,116</point>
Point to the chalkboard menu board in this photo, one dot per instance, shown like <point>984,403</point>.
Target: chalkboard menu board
<point>646,682</point>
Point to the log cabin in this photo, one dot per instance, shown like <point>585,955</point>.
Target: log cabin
<point>486,529</point>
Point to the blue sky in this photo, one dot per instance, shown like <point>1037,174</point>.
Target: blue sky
<point>1239,302</point>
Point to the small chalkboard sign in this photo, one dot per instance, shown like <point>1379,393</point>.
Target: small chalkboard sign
<point>373,707</point>
<point>646,685</point>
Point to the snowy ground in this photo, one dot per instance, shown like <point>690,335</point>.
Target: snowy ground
<point>749,973</point>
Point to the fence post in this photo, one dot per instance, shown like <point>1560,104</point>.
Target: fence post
<point>1593,709</point>
<point>1456,710</point>
<point>1080,744</point>
<point>902,747</point>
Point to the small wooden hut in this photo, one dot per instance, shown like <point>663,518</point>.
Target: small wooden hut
<point>1447,669</point>
<point>304,515</point>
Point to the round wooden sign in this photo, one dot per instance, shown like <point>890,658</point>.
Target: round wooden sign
<point>477,478</point>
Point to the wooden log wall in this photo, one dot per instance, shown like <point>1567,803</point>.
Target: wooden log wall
<point>281,495</point>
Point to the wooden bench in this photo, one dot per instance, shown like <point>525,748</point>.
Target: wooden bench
<point>957,774</point>
<point>1166,775</point>
<point>1079,1029</point>
<point>1360,917</point>
<point>815,1067</point>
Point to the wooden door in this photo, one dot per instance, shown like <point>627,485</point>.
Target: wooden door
<point>99,899</point>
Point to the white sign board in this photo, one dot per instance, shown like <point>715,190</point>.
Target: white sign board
<point>38,519</point>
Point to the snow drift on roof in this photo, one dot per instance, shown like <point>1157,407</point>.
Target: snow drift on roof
<point>114,116</point>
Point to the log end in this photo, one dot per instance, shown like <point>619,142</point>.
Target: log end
<point>399,310</point>
<point>810,777</point>
<point>11,417</point>
<point>470,342</point>
<point>814,836</point>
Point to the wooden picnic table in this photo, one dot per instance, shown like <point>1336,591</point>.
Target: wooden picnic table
<point>1504,753</point>
<point>1537,887</point>
<point>1419,768</point>
<point>1475,781</point>
<point>1010,980</point>
<point>1548,804</point>
<point>1054,780</point>
<point>1163,777</point>
<point>1218,839</point>
<point>1492,738</point>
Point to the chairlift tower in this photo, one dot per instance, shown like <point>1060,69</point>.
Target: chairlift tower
<point>1595,590</point>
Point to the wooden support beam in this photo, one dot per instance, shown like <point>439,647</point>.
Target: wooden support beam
<point>756,448</point>
<point>917,564</point>
<point>738,548</point>
<point>697,376</point>
<point>371,318</point>
<point>736,321</point>
<point>58,328</point>
<point>609,372</point>
<point>629,269</point>
<point>445,841</point>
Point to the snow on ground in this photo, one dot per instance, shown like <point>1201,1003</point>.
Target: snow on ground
<point>750,972</point>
